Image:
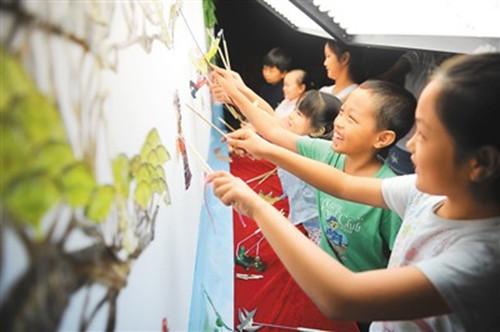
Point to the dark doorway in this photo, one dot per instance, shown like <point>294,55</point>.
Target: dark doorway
<point>251,30</point>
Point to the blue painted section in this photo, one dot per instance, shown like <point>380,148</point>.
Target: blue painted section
<point>214,266</point>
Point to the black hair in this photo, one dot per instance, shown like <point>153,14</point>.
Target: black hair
<point>278,57</point>
<point>302,78</point>
<point>321,108</point>
<point>395,109</point>
<point>356,62</point>
<point>468,105</point>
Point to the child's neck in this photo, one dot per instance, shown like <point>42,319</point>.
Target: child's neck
<point>342,82</point>
<point>464,207</point>
<point>361,165</point>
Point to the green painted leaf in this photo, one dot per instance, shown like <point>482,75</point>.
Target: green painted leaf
<point>146,173</point>
<point>162,153</point>
<point>39,119</point>
<point>14,80</point>
<point>160,173</point>
<point>153,158</point>
<point>135,164</point>
<point>143,194</point>
<point>153,138</point>
<point>146,150</point>
<point>52,157</point>
<point>121,174</point>
<point>77,183</point>
<point>31,198</point>
<point>100,203</point>
<point>15,156</point>
<point>159,186</point>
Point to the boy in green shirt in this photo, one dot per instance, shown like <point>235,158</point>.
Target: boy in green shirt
<point>371,120</point>
<point>346,225</point>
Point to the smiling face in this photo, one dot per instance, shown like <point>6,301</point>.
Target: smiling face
<point>355,129</point>
<point>433,152</point>
<point>292,89</point>
<point>298,123</point>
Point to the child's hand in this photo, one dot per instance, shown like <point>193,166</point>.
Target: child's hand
<point>233,191</point>
<point>218,93</point>
<point>245,141</point>
<point>225,80</point>
<point>248,125</point>
<point>238,81</point>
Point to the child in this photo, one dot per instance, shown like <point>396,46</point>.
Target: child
<point>276,64</point>
<point>369,122</point>
<point>312,116</point>
<point>444,267</point>
<point>343,66</point>
<point>295,84</point>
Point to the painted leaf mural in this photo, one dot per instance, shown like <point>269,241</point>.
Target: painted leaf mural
<point>89,97</point>
<point>40,173</point>
<point>100,203</point>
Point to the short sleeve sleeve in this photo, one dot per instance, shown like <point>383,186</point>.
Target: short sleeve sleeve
<point>313,148</point>
<point>397,191</point>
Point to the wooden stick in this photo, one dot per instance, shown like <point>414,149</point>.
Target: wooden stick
<point>204,75</point>
<point>206,120</point>
<point>258,177</point>
<point>234,113</point>
<point>226,124</point>
<point>263,175</point>
<point>194,39</point>
<point>222,58</point>
<point>204,164</point>
<point>267,176</point>
<point>226,52</point>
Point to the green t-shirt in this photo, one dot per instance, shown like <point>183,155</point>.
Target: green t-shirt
<point>359,236</point>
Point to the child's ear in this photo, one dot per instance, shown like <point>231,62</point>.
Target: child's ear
<point>345,58</point>
<point>317,132</point>
<point>485,163</point>
<point>302,88</point>
<point>384,138</point>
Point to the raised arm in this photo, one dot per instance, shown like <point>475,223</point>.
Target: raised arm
<point>266,124</point>
<point>366,190</point>
<point>252,96</point>
<point>402,293</point>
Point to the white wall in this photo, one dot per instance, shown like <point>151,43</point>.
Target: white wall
<point>137,96</point>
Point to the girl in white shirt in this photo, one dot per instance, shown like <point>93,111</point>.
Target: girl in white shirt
<point>343,66</point>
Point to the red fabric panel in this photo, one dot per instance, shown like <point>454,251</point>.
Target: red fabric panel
<point>277,297</point>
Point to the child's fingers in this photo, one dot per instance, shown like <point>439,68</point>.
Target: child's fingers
<point>224,191</point>
<point>237,143</point>
<point>237,146</point>
<point>215,68</point>
<point>238,134</point>
<point>225,188</point>
<point>220,71</point>
<point>240,152</point>
<point>216,175</point>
